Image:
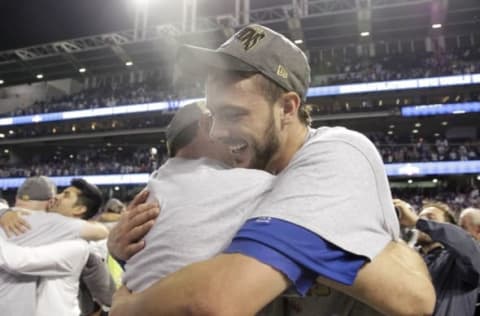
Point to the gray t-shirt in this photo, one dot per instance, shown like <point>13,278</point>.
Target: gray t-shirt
<point>337,187</point>
<point>18,293</point>
<point>203,204</point>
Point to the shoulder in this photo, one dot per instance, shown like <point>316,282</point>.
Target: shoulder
<point>340,135</point>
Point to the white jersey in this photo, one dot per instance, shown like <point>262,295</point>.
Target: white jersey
<point>203,204</point>
<point>46,228</point>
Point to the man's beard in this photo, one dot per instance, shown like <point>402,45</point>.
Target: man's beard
<point>263,154</point>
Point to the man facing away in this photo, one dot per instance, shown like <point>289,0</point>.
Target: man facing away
<point>204,201</point>
<point>329,217</point>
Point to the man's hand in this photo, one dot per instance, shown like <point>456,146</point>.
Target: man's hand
<point>13,223</point>
<point>120,302</point>
<point>126,238</point>
<point>408,217</point>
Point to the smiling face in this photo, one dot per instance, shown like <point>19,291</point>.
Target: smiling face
<point>244,120</point>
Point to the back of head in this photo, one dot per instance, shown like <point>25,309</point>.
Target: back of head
<point>184,126</point>
<point>114,206</point>
<point>90,197</point>
<point>36,191</point>
<point>444,208</point>
<point>473,213</point>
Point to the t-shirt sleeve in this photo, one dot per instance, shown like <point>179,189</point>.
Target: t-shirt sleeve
<point>298,253</point>
<point>54,227</point>
<point>53,260</point>
<point>338,190</point>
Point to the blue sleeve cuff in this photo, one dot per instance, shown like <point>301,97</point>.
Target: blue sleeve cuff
<point>302,279</point>
<point>298,253</point>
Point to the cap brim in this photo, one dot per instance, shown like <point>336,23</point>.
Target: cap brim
<point>199,61</point>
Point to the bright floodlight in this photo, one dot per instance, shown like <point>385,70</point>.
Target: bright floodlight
<point>82,70</point>
<point>1,81</point>
<point>40,76</point>
<point>298,41</point>
<point>436,26</point>
<point>129,63</point>
<point>141,3</point>
<point>365,34</point>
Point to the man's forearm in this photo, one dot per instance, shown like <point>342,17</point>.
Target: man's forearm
<point>47,261</point>
<point>229,284</point>
<point>396,282</point>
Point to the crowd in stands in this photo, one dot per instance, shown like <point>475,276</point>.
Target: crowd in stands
<point>155,88</point>
<point>111,160</point>
<point>421,150</point>
<point>396,67</point>
<point>456,199</point>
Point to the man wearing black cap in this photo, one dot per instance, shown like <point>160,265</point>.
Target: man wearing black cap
<point>308,228</point>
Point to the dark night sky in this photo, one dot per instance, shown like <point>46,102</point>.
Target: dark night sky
<point>29,22</point>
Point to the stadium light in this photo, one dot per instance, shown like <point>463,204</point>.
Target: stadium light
<point>82,70</point>
<point>364,34</point>
<point>418,124</point>
<point>39,76</point>
<point>129,63</point>
<point>6,151</point>
<point>478,177</point>
<point>141,3</point>
<point>435,180</point>
<point>390,132</point>
<point>415,131</point>
<point>444,123</point>
<point>2,135</point>
<point>298,41</point>
<point>1,81</point>
<point>436,26</point>
<point>410,181</point>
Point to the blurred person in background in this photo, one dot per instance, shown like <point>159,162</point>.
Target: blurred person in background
<point>54,295</point>
<point>451,254</point>
<point>470,221</point>
<point>111,213</point>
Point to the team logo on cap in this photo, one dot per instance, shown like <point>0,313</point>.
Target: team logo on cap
<point>250,37</point>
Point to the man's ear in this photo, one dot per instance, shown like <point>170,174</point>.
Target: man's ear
<point>79,210</point>
<point>205,123</point>
<point>290,103</point>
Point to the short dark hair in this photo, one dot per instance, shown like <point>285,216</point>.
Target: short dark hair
<point>444,208</point>
<point>183,138</point>
<point>271,90</point>
<point>90,196</point>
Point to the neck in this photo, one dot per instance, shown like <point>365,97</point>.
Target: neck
<point>294,140</point>
<point>31,205</point>
<point>428,248</point>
